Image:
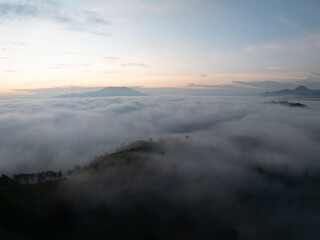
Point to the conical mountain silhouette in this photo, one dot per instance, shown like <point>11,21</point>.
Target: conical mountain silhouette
<point>106,92</point>
<point>299,91</point>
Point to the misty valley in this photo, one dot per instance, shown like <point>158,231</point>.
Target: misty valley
<point>197,167</point>
<point>159,120</point>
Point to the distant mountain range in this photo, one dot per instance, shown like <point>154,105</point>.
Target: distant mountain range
<point>105,92</point>
<point>299,91</point>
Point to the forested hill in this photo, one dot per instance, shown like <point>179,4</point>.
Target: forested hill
<point>175,188</point>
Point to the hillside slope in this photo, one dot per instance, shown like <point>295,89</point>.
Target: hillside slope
<point>175,188</point>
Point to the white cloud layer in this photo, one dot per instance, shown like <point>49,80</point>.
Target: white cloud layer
<point>248,168</point>
<point>40,134</point>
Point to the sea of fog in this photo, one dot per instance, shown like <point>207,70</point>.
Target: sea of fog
<point>56,134</point>
<point>242,168</point>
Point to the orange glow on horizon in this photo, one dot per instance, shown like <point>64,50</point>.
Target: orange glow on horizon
<point>165,81</point>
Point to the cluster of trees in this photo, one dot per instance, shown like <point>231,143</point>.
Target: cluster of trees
<point>97,159</point>
<point>4,180</point>
<point>31,178</point>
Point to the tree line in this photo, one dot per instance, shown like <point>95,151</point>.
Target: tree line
<point>31,178</point>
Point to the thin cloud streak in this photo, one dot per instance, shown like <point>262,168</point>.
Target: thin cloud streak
<point>134,65</point>
<point>85,21</point>
<point>307,41</point>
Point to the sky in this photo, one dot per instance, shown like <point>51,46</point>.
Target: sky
<point>187,44</point>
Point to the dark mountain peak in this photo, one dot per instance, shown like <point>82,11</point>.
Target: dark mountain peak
<point>114,88</point>
<point>299,91</point>
<point>302,89</point>
<point>107,92</point>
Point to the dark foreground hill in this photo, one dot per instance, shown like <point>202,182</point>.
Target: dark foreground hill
<point>105,92</point>
<point>171,189</point>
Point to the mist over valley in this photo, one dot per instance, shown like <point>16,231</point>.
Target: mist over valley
<point>159,120</point>
<point>163,167</point>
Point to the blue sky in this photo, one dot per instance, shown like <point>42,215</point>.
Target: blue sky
<point>152,44</point>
